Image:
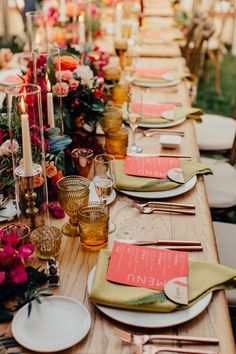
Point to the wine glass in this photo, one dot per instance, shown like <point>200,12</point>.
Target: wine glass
<point>104,179</point>
<point>134,113</point>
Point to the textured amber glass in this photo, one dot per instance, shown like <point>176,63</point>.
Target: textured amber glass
<point>73,192</point>
<point>93,225</point>
<point>111,118</point>
<point>117,142</point>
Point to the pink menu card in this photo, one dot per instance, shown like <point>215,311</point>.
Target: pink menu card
<point>153,167</point>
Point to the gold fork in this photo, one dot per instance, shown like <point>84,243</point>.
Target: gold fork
<point>141,339</point>
<point>151,349</point>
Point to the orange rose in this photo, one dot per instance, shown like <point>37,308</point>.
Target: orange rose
<point>70,9</point>
<point>56,178</point>
<point>67,62</point>
<point>51,169</point>
<point>38,181</point>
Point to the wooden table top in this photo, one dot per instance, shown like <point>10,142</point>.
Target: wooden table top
<point>75,264</point>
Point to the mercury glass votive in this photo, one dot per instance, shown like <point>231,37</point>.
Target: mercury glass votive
<point>93,226</point>
<point>73,192</point>
<point>47,241</point>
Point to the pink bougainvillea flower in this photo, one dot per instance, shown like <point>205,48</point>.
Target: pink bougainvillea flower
<point>10,239</point>
<point>61,89</point>
<point>18,274</point>
<point>26,251</point>
<point>56,211</point>
<point>2,277</point>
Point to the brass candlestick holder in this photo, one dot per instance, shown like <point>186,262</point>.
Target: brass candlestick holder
<point>27,185</point>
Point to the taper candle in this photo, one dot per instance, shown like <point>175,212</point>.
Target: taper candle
<point>81,30</point>
<point>26,143</point>
<point>118,20</point>
<point>50,106</point>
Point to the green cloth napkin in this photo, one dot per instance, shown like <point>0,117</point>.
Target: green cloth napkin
<point>204,277</point>
<point>175,74</point>
<point>143,184</point>
<point>179,112</point>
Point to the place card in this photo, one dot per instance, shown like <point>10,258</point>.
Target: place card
<point>149,267</point>
<point>152,73</point>
<point>152,110</point>
<point>152,167</point>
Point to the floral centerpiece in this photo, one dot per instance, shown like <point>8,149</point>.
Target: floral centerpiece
<point>17,282</point>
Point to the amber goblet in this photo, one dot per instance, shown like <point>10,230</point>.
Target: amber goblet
<point>73,192</point>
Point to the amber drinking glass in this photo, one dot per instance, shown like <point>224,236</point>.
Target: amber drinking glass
<point>111,118</point>
<point>93,226</point>
<point>121,46</point>
<point>73,192</point>
<point>117,142</point>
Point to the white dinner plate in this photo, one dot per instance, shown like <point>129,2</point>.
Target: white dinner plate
<point>183,188</point>
<point>157,84</point>
<point>10,77</point>
<point>9,212</point>
<point>93,197</point>
<point>57,323</point>
<point>151,319</point>
<point>163,125</point>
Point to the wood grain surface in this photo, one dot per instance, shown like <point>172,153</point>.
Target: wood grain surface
<point>75,264</point>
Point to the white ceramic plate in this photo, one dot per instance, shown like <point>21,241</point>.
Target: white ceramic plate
<point>151,319</point>
<point>8,213</point>
<point>163,125</point>
<point>93,197</point>
<point>9,77</point>
<point>157,84</point>
<point>164,194</point>
<point>57,323</point>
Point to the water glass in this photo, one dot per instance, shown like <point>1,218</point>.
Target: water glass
<point>93,226</point>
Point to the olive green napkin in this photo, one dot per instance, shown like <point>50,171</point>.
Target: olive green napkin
<point>179,112</point>
<point>204,277</point>
<point>143,184</point>
<point>175,74</point>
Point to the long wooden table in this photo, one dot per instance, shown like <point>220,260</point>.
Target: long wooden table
<point>75,264</point>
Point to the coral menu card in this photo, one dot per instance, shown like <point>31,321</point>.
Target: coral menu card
<point>150,110</point>
<point>148,267</point>
<point>152,167</point>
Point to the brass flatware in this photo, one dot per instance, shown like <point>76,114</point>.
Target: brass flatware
<point>149,210</point>
<point>145,338</point>
<point>154,349</point>
<point>151,132</point>
<point>162,242</point>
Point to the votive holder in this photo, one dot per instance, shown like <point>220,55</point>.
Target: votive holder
<point>82,160</point>
<point>93,226</point>
<point>47,241</point>
<point>22,230</point>
<point>116,142</point>
<point>73,192</point>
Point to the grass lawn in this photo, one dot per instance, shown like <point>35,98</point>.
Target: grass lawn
<point>207,98</point>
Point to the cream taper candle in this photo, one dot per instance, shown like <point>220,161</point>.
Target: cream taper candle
<point>50,106</point>
<point>26,144</point>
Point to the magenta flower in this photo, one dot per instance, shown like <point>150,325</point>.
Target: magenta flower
<point>26,251</point>
<point>11,239</point>
<point>2,277</point>
<point>18,274</point>
<point>56,211</point>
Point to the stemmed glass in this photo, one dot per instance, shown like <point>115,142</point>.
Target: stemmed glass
<point>104,179</point>
<point>134,113</point>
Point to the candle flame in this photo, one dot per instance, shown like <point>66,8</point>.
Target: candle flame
<point>119,6</point>
<point>22,102</point>
<point>48,83</point>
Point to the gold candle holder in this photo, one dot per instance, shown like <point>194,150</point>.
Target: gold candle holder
<point>27,186</point>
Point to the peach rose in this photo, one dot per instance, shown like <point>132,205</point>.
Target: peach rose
<point>67,62</point>
<point>61,89</point>
<point>73,84</point>
<point>66,75</point>
<point>38,181</point>
<point>51,169</point>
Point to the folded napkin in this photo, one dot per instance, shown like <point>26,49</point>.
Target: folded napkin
<point>204,277</point>
<point>157,76</point>
<point>152,113</point>
<point>144,184</point>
